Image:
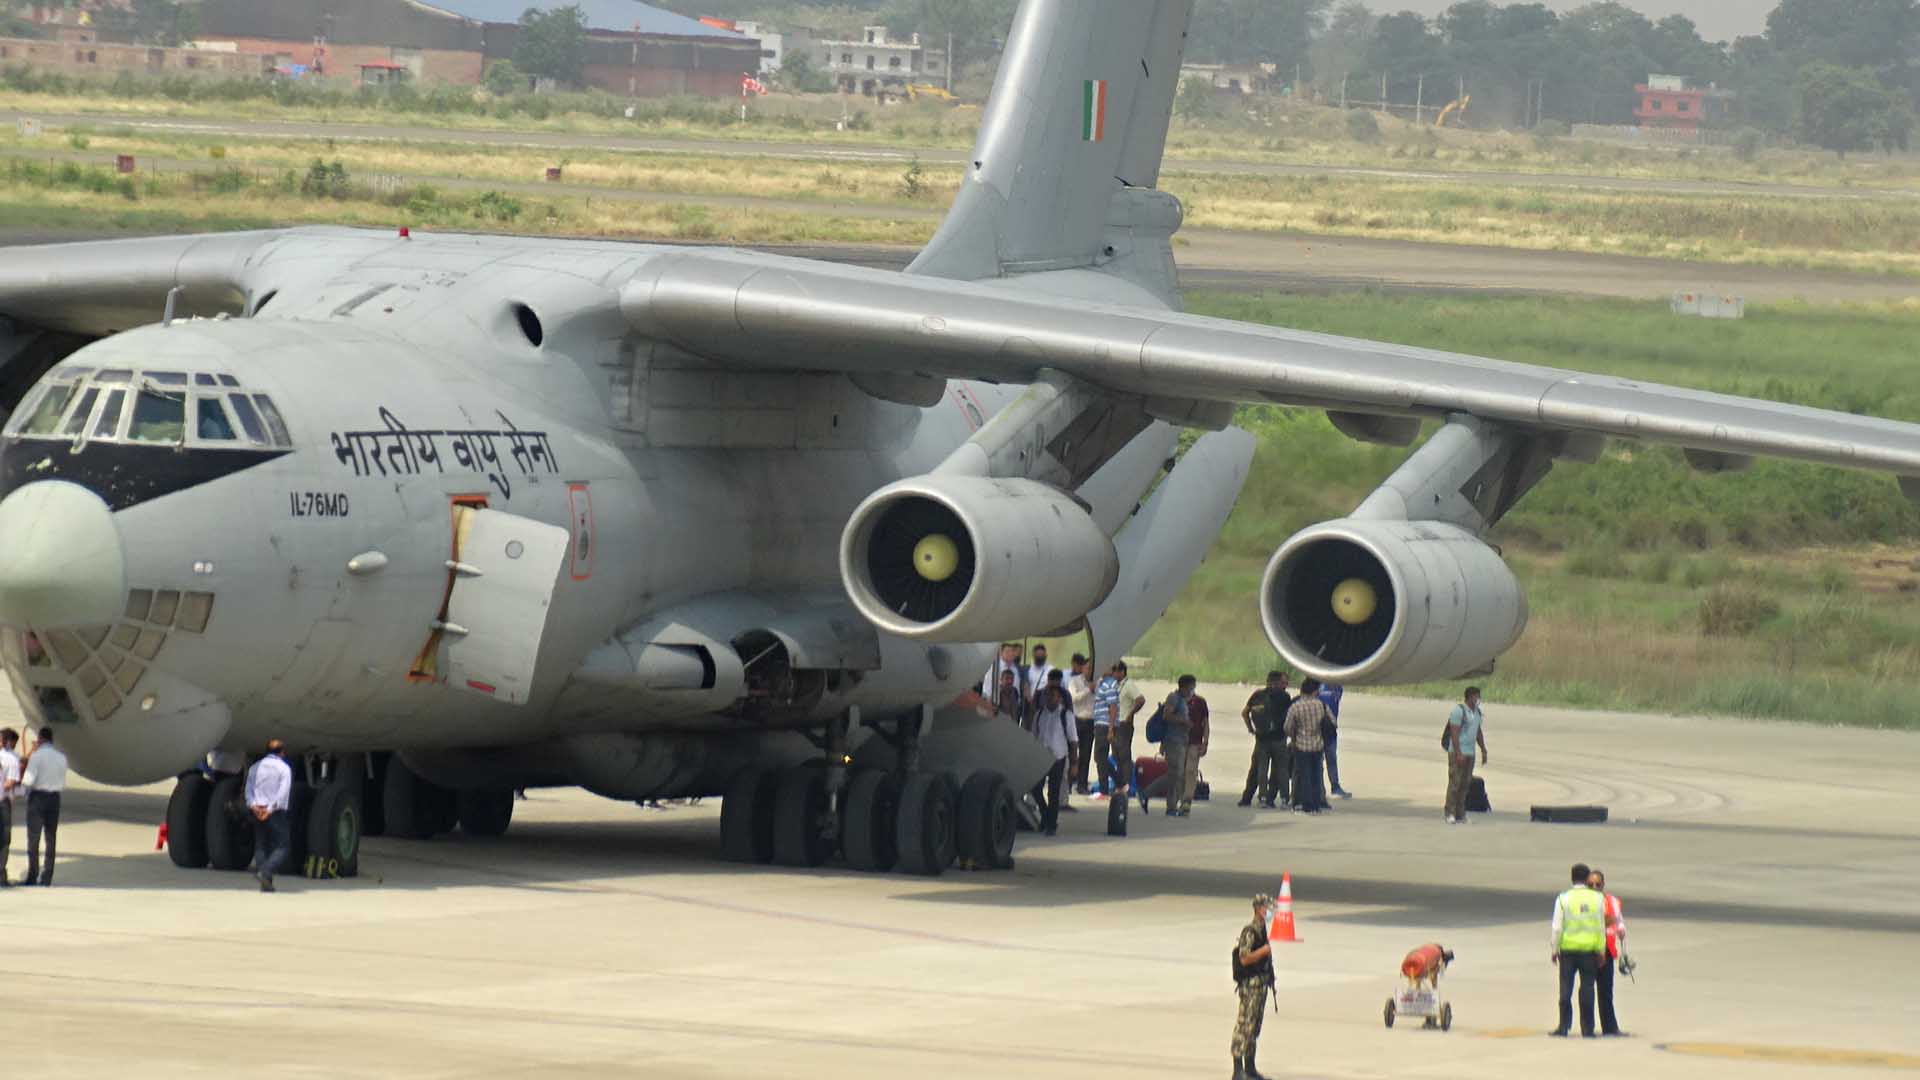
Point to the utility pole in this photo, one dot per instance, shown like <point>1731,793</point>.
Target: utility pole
<point>1420,100</point>
<point>949,61</point>
<point>1343,88</point>
<point>1383,91</point>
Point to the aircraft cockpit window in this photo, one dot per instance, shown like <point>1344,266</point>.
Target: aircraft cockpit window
<point>83,412</point>
<point>249,419</point>
<point>167,378</point>
<point>109,423</point>
<point>158,417</point>
<point>202,378</point>
<point>114,375</point>
<point>210,421</point>
<point>228,380</point>
<point>45,419</point>
<point>275,424</point>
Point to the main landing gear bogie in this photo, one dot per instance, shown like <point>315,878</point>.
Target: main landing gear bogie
<point>210,825</point>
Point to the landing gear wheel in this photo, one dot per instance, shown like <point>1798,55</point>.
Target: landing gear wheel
<point>187,821</point>
<point>415,809</point>
<point>926,824</point>
<point>1446,1017</point>
<point>799,805</point>
<point>1388,1014</point>
<point>334,822</point>
<point>867,828</point>
<point>484,814</point>
<point>986,822</point>
<point>746,817</point>
<point>229,825</point>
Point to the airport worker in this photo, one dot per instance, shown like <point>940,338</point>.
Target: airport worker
<point>45,779</point>
<point>1330,694</point>
<point>269,793</point>
<point>1080,690</point>
<point>1037,672</point>
<point>1616,945</point>
<point>1466,727</point>
<point>1264,715</point>
<point>1179,726</point>
<point>1579,933</point>
<point>9,790</point>
<point>1202,718</point>
<point>1053,726</point>
<point>1304,733</point>
<point>1253,981</point>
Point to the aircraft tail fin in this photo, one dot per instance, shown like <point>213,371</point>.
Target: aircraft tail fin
<point>1063,173</point>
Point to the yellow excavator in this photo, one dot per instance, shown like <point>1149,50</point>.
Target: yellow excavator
<point>917,91</point>
<point>1455,110</point>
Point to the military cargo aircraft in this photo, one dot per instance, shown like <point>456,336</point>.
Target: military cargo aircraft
<point>456,515</point>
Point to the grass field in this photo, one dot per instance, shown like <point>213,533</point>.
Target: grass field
<point>1879,234</point>
<point>1788,592</point>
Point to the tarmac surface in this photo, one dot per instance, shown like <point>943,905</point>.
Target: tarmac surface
<point>1767,871</point>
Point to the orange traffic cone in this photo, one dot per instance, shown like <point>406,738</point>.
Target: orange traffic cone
<point>1282,927</point>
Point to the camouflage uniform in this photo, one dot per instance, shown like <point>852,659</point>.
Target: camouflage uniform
<point>1253,993</point>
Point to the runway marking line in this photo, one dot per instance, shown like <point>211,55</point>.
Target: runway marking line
<point>1795,1055</point>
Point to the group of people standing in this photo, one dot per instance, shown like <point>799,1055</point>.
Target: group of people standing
<point>40,778</point>
<point>1294,738</point>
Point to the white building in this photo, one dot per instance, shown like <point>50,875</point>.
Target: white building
<point>876,65</point>
<point>772,44</point>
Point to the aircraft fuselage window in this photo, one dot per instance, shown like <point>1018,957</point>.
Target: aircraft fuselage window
<point>168,378</point>
<point>115,375</point>
<point>158,417</point>
<point>46,416</point>
<point>249,419</point>
<point>210,420</point>
<point>202,378</point>
<point>275,423</point>
<point>83,412</point>
<point>109,423</point>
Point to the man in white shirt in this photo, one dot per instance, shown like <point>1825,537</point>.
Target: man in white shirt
<point>45,779</point>
<point>1009,661</point>
<point>269,791</point>
<point>1053,726</point>
<point>1080,690</point>
<point>9,790</point>
<point>1037,672</point>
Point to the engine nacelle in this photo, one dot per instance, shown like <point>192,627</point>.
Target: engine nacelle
<point>968,558</point>
<point>1384,602</point>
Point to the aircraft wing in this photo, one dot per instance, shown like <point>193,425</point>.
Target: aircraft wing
<point>104,286</point>
<point>756,309</point>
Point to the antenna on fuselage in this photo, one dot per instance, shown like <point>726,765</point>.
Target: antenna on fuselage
<point>173,298</point>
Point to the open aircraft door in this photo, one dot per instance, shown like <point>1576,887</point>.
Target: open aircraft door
<point>502,577</point>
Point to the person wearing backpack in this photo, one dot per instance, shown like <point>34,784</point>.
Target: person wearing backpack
<point>1465,729</point>
<point>1252,980</point>
<point>1177,727</point>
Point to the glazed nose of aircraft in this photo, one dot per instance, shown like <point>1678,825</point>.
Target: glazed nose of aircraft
<point>61,563</point>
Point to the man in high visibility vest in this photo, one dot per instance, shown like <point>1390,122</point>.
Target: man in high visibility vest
<point>1579,941</point>
<point>1616,945</point>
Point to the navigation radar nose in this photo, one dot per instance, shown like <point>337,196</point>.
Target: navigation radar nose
<point>61,563</point>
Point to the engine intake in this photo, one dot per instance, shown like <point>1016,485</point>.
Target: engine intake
<point>969,558</point>
<point>1385,602</point>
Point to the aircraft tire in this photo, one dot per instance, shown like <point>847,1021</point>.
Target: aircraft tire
<point>799,803</point>
<point>485,815</point>
<point>187,821</point>
<point>229,828</point>
<point>403,798</point>
<point>986,821</point>
<point>926,824</point>
<point>746,817</point>
<point>867,831</point>
<point>334,824</point>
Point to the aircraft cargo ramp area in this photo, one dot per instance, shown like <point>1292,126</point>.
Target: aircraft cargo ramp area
<point>1767,872</point>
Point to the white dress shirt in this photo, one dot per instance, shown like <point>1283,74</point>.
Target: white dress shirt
<point>1054,728</point>
<point>1037,679</point>
<point>9,774</point>
<point>1081,692</point>
<point>46,769</point>
<point>269,783</point>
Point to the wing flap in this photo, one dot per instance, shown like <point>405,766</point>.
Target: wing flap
<point>757,309</point>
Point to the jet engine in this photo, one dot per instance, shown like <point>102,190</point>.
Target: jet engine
<point>958,558</point>
<point>1385,602</point>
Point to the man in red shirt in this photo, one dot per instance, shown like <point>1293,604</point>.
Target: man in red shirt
<point>1196,749</point>
<point>1616,944</point>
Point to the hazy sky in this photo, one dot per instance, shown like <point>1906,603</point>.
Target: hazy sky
<point>1719,20</point>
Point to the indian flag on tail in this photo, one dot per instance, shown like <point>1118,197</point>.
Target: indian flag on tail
<point>1093,124</point>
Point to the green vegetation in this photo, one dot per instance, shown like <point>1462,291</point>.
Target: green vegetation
<point>553,45</point>
<point>1786,591</point>
<point>1846,109</point>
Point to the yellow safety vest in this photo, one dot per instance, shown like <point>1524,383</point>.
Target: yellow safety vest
<point>1583,921</point>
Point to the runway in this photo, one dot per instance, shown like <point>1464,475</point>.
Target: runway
<point>1767,872</point>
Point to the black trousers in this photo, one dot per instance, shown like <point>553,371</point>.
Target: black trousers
<point>1309,789</point>
<point>1587,967</point>
<point>43,819</point>
<point>1123,752</point>
<point>1603,984</point>
<point>1267,774</point>
<point>1047,794</point>
<point>6,835</point>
